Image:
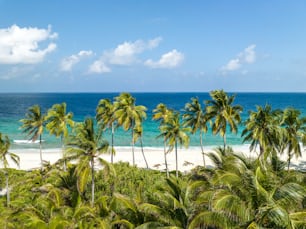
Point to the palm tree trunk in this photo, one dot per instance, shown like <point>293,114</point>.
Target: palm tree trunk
<point>63,154</point>
<point>7,190</point>
<point>224,141</point>
<point>112,153</point>
<point>165,155</point>
<point>289,161</point>
<point>40,151</point>
<point>92,182</point>
<point>144,157</point>
<point>133,144</point>
<point>202,148</point>
<point>176,161</point>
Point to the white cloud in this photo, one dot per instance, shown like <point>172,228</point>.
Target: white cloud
<point>168,60</point>
<point>68,62</point>
<point>21,45</point>
<point>124,54</point>
<point>248,56</point>
<point>99,67</point>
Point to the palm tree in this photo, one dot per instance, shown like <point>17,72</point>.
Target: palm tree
<point>86,146</point>
<point>294,131</point>
<point>138,135</point>
<point>194,116</point>
<point>262,129</point>
<point>163,114</point>
<point>58,121</point>
<point>105,116</point>
<point>221,109</point>
<point>33,125</point>
<point>128,114</point>
<point>175,134</point>
<point>4,152</point>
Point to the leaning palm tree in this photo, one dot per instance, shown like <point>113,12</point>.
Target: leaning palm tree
<point>86,146</point>
<point>128,115</point>
<point>195,117</point>
<point>4,153</point>
<point>105,116</point>
<point>175,133</point>
<point>58,122</point>
<point>262,129</point>
<point>294,130</point>
<point>221,109</point>
<point>163,114</point>
<point>33,125</point>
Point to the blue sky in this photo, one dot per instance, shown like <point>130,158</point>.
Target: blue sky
<point>148,46</point>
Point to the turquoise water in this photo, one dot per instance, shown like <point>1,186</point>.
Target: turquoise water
<point>13,107</point>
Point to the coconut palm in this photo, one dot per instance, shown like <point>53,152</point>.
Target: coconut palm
<point>175,133</point>
<point>128,114</point>
<point>262,129</point>
<point>105,116</point>
<point>86,146</point>
<point>58,122</point>
<point>224,114</point>
<point>4,153</point>
<point>163,114</point>
<point>294,131</point>
<point>33,125</point>
<point>194,116</point>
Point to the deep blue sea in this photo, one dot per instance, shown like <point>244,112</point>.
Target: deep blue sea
<point>13,107</point>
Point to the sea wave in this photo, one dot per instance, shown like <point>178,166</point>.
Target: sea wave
<point>26,141</point>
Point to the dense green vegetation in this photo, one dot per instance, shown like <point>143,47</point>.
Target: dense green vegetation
<point>83,191</point>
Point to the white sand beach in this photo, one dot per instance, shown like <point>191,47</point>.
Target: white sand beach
<point>187,158</point>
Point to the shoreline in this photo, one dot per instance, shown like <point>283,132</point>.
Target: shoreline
<point>187,158</point>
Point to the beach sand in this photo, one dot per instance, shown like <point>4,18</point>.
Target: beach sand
<point>187,158</point>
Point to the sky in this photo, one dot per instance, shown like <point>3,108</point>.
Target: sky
<point>152,46</point>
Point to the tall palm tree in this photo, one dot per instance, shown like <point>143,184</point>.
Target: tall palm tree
<point>175,133</point>
<point>262,129</point>
<point>33,125</point>
<point>128,114</point>
<point>221,109</point>
<point>105,116</point>
<point>4,152</point>
<point>195,117</point>
<point>58,122</point>
<point>138,135</point>
<point>163,114</point>
<point>294,131</point>
<point>86,146</point>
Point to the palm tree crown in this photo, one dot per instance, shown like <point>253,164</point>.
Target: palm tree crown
<point>128,114</point>
<point>5,145</point>
<point>175,133</point>
<point>195,117</point>
<point>105,116</point>
<point>59,122</point>
<point>294,132</point>
<point>221,109</point>
<point>162,113</point>
<point>86,146</point>
<point>33,125</point>
<point>262,128</point>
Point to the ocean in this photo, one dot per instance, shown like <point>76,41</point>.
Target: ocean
<point>13,107</point>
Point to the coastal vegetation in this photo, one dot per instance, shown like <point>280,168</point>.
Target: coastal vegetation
<point>81,190</point>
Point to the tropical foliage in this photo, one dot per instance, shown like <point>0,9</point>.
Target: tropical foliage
<point>237,192</point>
